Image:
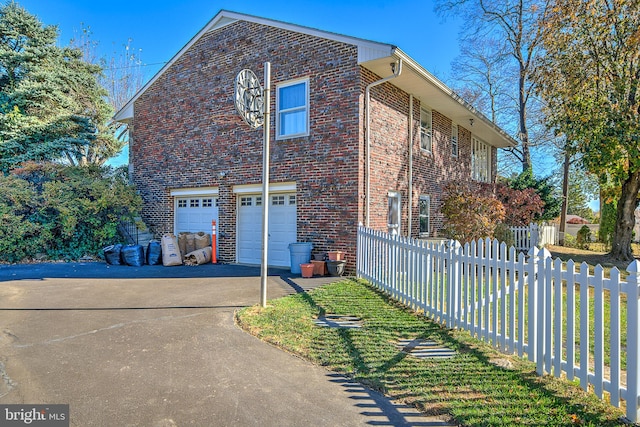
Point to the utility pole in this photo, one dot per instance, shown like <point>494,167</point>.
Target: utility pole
<point>264,268</point>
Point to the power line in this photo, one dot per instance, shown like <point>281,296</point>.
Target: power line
<point>134,66</point>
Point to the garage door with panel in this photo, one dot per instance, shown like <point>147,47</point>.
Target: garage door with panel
<point>282,228</point>
<point>195,213</point>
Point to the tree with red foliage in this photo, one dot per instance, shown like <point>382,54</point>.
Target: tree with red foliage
<point>470,213</point>
<point>521,206</point>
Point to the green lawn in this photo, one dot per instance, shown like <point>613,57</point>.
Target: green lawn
<point>474,388</point>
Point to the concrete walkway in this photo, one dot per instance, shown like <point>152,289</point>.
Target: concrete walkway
<point>157,346</point>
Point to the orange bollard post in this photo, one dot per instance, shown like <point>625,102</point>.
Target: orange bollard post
<point>213,242</point>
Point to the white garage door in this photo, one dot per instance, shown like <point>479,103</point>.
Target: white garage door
<point>282,228</point>
<point>195,213</point>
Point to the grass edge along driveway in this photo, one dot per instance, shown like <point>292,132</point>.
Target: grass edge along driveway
<point>479,386</point>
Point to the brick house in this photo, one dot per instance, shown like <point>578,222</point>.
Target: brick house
<point>336,159</point>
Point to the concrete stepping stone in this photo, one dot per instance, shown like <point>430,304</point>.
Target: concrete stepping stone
<point>425,349</point>
<point>338,321</point>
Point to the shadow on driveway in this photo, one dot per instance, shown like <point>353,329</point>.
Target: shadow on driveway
<point>158,346</point>
<point>102,270</point>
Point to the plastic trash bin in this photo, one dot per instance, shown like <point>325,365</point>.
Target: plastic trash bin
<point>300,254</point>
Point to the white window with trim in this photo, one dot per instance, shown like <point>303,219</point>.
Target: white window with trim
<point>393,215</point>
<point>292,109</point>
<point>424,214</point>
<point>454,140</point>
<point>426,131</point>
<point>480,160</point>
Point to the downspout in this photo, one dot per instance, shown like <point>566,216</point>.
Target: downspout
<point>410,163</point>
<point>396,68</point>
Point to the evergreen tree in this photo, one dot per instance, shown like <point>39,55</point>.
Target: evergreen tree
<point>51,103</point>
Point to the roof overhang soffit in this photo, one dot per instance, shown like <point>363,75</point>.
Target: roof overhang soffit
<point>434,94</point>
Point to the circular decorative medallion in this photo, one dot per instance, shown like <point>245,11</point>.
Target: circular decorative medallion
<point>249,100</point>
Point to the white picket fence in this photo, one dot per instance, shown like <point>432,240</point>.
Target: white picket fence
<point>534,235</point>
<point>525,304</point>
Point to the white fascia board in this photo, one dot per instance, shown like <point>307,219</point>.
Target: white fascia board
<point>196,191</point>
<point>276,187</point>
<point>125,114</point>
<point>366,48</point>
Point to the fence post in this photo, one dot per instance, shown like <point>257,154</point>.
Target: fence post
<point>633,343</point>
<point>359,251</point>
<point>534,238</point>
<point>544,307</point>
<point>453,285</point>
<point>532,292</point>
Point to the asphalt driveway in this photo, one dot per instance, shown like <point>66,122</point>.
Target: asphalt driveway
<point>157,346</point>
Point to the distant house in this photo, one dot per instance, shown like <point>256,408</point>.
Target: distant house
<point>574,223</point>
<point>337,158</point>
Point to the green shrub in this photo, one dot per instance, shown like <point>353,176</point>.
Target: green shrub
<point>570,241</point>
<point>608,218</point>
<point>583,238</point>
<point>21,235</point>
<point>61,211</point>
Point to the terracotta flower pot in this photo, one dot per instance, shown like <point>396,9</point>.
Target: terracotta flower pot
<point>336,255</point>
<point>319,267</point>
<point>307,270</point>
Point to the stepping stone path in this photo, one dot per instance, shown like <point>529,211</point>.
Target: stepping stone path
<point>339,321</point>
<point>425,349</point>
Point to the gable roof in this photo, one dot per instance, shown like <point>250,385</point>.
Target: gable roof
<point>374,56</point>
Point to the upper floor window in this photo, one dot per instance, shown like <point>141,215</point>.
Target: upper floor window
<point>454,140</point>
<point>480,160</point>
<point>292,109</point>
<point>426,143</point>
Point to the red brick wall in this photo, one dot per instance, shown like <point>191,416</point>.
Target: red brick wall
<point>390,157</point>
<point>389,132</point>
<point>187,130</point>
